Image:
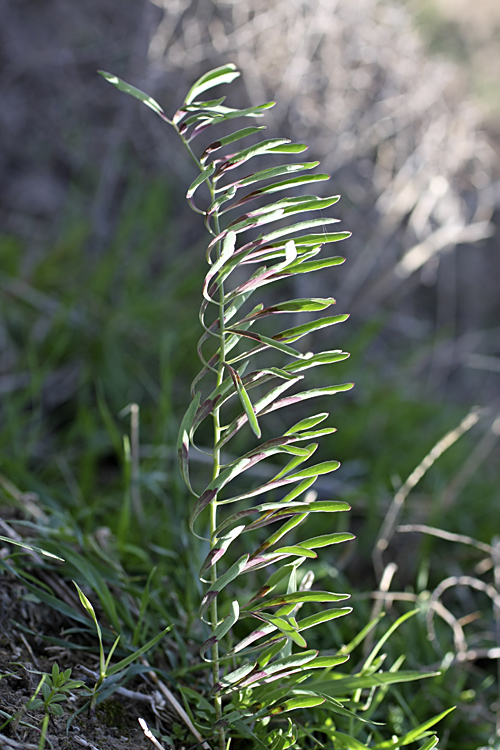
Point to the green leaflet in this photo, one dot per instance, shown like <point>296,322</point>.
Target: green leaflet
<point>220,547</point>
<point>228,246</point>
<point>292,334</point>
<point>306,424</point>
<point>222,628</point>
<point>283,209</point>
<point>294,703</point>
<point>291,148</point>
<point>319,617</point>
<point>223,74</point>
<point>258,406</point>
<point>133,91</point>
<point>346,742</point>
<point>280,665</point>
<point>326,662</point>
<point>296,549</point>
<point>202,177</point>
<point>298,597</point>
<point>238,135</point>
<point>247,406</point>
<point>281,480</point>
<point>285,627</point>
<point>293,228</point>
<point>283,185</point>
<point>327,539</point>
<point>325,358</point>
<point>302,487</point>
<point>279,575</point>
<point>224,114</point>
<point>417,733</point>
<point>249,153</point>
<point>346,685</point>
<point>214,207</point>
<point>313,471</point>
<point>209,104</point>
<point>233,677</point>
<point>430,744</point>
<point>268,342</point>
<point>304,395</point>
<point>317,265</point>
<point>272,172</point>
<point>215,589</point>
<point>298,305</point>
<point>183,440</point>
<point>250,459</point>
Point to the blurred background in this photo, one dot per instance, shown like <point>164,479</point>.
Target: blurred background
<point>101,261</point>
<point>100,258</point>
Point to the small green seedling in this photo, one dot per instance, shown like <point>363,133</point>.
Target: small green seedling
<point>54,689</point>
<point>107,670</point>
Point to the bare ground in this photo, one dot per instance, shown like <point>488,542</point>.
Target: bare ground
<point>25,653</point>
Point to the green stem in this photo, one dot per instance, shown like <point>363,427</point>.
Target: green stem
<point>216,467</point>
<point>213,505</point>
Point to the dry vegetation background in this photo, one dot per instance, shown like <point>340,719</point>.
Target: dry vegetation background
<point>406,145</point>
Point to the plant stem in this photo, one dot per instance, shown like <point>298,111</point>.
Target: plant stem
<point>216,466</point>
<point>213,504</point>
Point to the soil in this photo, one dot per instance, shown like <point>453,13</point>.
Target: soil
<point>25,653</point>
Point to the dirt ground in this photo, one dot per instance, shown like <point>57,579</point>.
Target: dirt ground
<point>25,654</point>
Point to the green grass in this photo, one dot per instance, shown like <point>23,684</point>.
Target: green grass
<point>86,336</point>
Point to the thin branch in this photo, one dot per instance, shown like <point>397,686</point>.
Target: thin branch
<point>388,527</point>
<point>448,535</point>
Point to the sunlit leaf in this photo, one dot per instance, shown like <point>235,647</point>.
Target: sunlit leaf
<point>419,731</point>
<point>223,74</point>
<point>313,471</point>
<point>345,742</point>
<point>266,174</point>
<point>302,597</point>
<point>285,627</point>
<point>282,185</point>
<point>294,549</point>
<point>305,395</point>
<point>220,548</point>
<point>238,135</point>
<point>249,153</point>
<point>233,677</point>
<point>291,148</point>
<point>30,547</point>
<point>326,539</point>
<point>293,228</point>
<point>183,440</point>
<point>245,402</point>
<point>215,589</point>
<point>222,628</point>
<point>133,91</point>
<point>319,617</point>
<point>325,358</point>
<point>346,685</point>
<point>280,666</point>
<point>430,744</point>
<point>305,701</point>
<point>292,334</point>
